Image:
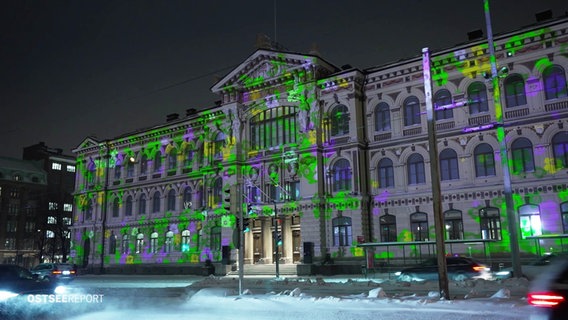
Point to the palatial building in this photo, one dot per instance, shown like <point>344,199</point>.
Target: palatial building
<point>342,155</point>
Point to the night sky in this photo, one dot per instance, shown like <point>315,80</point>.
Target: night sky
<point>71,69</point>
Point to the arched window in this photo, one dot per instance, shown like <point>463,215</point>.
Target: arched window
<point>443,98</point>
<point>554,82</point>
<point>128,206</point>
<point>490,223</point>
<point>171,200</point>
<point>115,207</point>
<point>117,169</point>
<point>140,243</point>
<point>453,223</point>
<point>342,232</point>
<point>523,160</point>
<point>529,215</point>
<point>477,98</point>
<point>419,226</point>
<point>218,146</point>
<point>386,173</point>
<point>449,165</point>
<point>273,127</point>
<point>143,164</point>
<point>564,216</point>
<point>169,242</point>
<point>341,175</point>
<point>484,160</point>
<point>112,243</point>
<point>217,191</point>
<point>515,91</point>
<point>156,202</point>
<point>382,117</point>
<point>189,158</point>
<point>130,168</point>
<point>411,111</point>
<point>142,204</point>
<point>185,240</point>
<point>187,198</point>
<point>158,161</point>
<point>560,149</point>
<point>88,210</point>
<point>125,246</point>
<point>154,242</point>
<point>172,157</point>
<point>339,120</point>
<point>387,223</point>
<point>415,167</point>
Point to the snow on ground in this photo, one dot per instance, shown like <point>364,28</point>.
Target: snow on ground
<point>342,299</point>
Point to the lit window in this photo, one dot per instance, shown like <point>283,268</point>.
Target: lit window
<point>70,168</point>
<point>56,166</point>
<point>169,241</point>
<point>125,244</point>
<point>50,234</point>
<point>490,223</point>
<point>51,220</point>
<point>453,224</point>
<point>342,233</point>
<point>67,207</point>
<point>52,206</point>
<point>66,221</point>
<point>530,220</point>
<point>564,214</point>
<point>419,226</point>
<point>154,242</point>
<point>185,240</point>
<point>139,243</point>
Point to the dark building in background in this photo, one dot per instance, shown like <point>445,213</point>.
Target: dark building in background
<point>23,191</point>
<point>54,225</point>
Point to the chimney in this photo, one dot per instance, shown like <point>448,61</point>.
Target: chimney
<point>172,117</point>
<point>543,16</point>
<point>475,34</point>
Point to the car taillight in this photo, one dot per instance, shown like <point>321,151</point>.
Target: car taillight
<point>545,299</point>
<point>478,268</point>
<point>56,272</point>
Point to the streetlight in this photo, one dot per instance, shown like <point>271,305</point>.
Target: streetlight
<point>508,193</point>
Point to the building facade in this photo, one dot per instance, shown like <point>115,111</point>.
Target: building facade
<point>23,186</point>
<point>60,169</point>
<point>325,158</point>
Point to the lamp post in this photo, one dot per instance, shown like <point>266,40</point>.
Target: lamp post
<point>507,190</point>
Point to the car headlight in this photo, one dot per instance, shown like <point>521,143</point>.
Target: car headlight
<point>5,295</point>
<point>60,289</point>
<point>503,273</point>
<point>398,273</point>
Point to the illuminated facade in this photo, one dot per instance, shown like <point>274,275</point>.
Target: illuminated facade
<point>342,155</point>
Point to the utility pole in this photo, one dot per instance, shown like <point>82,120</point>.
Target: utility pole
<point>508,193</point>
<point>435,177</point>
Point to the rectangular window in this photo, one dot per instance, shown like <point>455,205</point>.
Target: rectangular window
<point>11,226</point>
<point>67,207</point>
<point>66,221</point>
<point>51,220</point>
<point>50,234</point>
<point>52,206</point>
<point>10,243</point>
<point>70,168</point>
<point>55,166</point>
<point>30,226</point>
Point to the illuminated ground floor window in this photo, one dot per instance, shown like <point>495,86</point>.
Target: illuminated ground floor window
<point>530,220</point>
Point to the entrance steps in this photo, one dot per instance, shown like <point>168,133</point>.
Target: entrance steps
<point>267,270</point>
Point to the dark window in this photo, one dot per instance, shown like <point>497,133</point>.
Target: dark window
<point>341,174</point>
<point>490,223</point>
<point>523,160</point>
<point>216,239</point>
<point>172,159</point>
<point>560,149</point>
<point>88,210</point>
<point>386,173</point>
<point>387,224</point>
<point>341,231</point>
<point>449,165</point>
<point>171,200</point>
<point>125,244</point>
<point>477,94</point>
<point>186,198</point>
<point>484,160</point>
<point>112,244</point>
<point>554,82</point>
<point>443,98</point>
<point>564,215</point>
<point>157,161</point>
<point>128,206</point>
<point>156,202</point>
<point>411,111</point>
<point>115,207</point>
<point>419,226</point>
<point>143,164</point>
<point>218,146</point>
<point>382,117</point>
<point>453,223</point>
<point>339,120</point>
<point>218,191</point>
<point>515,91</point>
<point>117,170</point>
<point>142,204</point>
<point>416,174</point>
<point>130,169</point>
<point>169,242</point>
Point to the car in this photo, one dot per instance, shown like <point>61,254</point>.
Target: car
<point>459,269</point>
<point>531,270</point>
<point>62,272</point>
<point>16,281</point>
<point>548,292</point>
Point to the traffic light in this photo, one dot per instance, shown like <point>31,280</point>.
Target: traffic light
<point>230,199</point>
<point>278,238</point>
<point>246,225</point>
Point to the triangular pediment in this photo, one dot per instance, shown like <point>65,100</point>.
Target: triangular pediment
<point>264,67</point>
<point>87,143</point>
